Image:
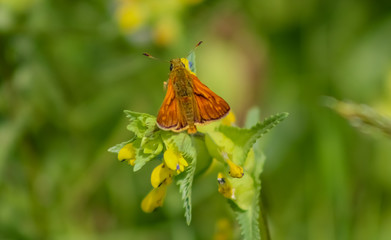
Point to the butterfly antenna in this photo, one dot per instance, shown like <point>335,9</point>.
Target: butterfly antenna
<point>198,44</point>
<point>152,57</point>
<point>195,47</point>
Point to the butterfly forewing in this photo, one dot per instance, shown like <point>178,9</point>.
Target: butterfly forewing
<point>170,116</point>
<point>209,105</point>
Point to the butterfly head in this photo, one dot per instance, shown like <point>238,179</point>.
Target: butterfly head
<point>181,64</point>
<point>176,64</point>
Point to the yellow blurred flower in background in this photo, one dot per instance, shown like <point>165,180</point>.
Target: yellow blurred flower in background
<point>131,15</point>
<point>223,230</point>
<point>161,20</point>
<point>165,31</point>
<point>18,5</point>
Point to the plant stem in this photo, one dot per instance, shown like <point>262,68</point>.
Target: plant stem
<point>263,226</point>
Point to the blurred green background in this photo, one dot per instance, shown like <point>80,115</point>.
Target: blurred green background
<point>69,68</point>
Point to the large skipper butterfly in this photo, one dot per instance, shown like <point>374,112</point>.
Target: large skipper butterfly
<point>188,102</point>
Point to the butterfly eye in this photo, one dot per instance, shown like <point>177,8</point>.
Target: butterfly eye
<point>190,64</point>
<point>170,67</point>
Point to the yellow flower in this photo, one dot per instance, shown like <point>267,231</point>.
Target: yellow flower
<point>154,199</point>
<point>225,187</point>
<point>174,160</point>
<point>223,230</point>
<point>130,16</point>
<point>235,171</point>
<point>166,31</point>
<point>161,174</point>
<point>229,120</point>
<point>127,153</point>
<point>161,177</point>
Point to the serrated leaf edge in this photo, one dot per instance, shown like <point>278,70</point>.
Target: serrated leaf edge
<point>262,128</point>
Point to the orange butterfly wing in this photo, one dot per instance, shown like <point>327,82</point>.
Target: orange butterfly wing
<point>170,116</point>
<point>209,106</point>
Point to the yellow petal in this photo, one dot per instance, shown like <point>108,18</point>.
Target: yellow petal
<point>130,16</point>
<point>127,152</point>
<point>229,120</point>
<point>171,159</point>
<point>160,174</point>
<point>225,187</point>
<point>183,162</point>
<point>174,160</point>
<point>154,199</point>
<point>235,171</point>
<point>131,161</point>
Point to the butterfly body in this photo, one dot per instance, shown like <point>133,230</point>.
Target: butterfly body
<point>188,102</point>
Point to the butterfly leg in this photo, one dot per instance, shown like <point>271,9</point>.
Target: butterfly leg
<point>165,85</point>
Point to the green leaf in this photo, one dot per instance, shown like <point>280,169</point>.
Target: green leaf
<point>217,143</point>
<point>252,117</point>
<point>118,147</point>
<point>153,147</point>
<point>244,191</point>
<point>185,145</point>
<point>244,138</point>
<point>149,148</point>
<point>204,159</point>
<point>141,124</point>
<point>152,142</point>
<point>249,219</point>
<point>141,159</point>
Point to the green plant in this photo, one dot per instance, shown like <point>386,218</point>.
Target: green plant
<point>183,156</point>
